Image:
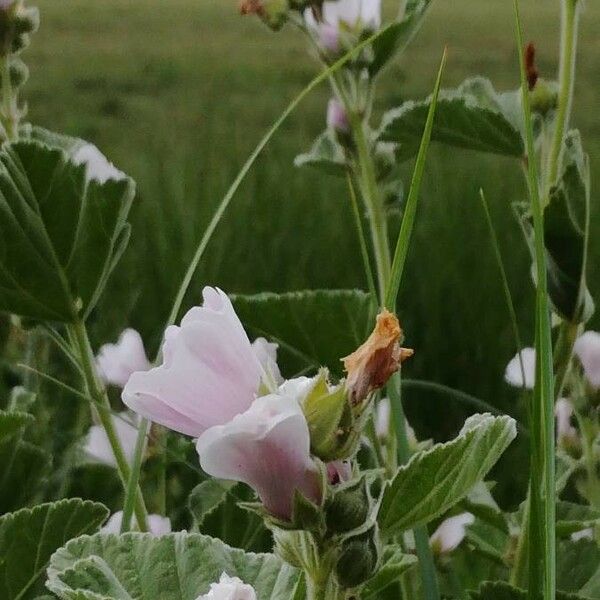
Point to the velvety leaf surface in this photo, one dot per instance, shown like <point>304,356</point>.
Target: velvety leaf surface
<point>393,565</point>
<point>474,116</point>
<point>499,590</point>
<point>326,154</point>
<point>178,566</point>
<point>28,538</point>
<point>436,479</point>
<point>312,328</point>
<point>60,231</point>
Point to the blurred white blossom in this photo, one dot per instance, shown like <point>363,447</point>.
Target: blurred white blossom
<point>117,362</point>
<point>98,448</point>
<point>514,370</point>
<point>449,535</point>
<point>587,349</point>
<point>229,588</point>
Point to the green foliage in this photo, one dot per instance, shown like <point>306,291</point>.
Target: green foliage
<point>62,234</point>
<point>22,464</point>
<point>474,116</point>
<point>436,479</point>
<point>312,328</point>
<point>571,517</point>
<point>566,235</point>
<point>498,590</point>
<point>177,566</point>
<point>578,567</point>
<point>399,36</point>
<point>393,565</point>
<point>207,497</point>
<point>28,538</point>
<point>326,154</point>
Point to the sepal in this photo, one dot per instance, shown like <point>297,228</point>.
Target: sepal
<point>358,558</point>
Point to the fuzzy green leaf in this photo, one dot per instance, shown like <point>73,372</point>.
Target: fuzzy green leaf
<point>177,566</point>
<point>28,538</point>
<point>393,565</point>
<point>499,590</point>
<point>312,328</point>
<point>207,496</point>
<point>474,116</point>
<point>326,154</point>
<point>435,480</point>
<point>61,233</point>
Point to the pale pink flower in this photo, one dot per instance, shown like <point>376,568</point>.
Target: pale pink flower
<point>268,448</point>
<point>357,15</point>
<point>117,362</point>
<point>514,373</point>
<point>157,525</point>
<point>339,471</point>
<point>337,119</point>
<point>383,415</point>
<point>229,588</point>
<point>563,411</point>
<point>583,534</point>
<point>210,371</point>
<point>587,349</point>
<point>98,448</point>
<point>449,535</point>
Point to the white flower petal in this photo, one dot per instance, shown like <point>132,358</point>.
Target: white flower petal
<point>229,588</point>
<point>266,353</point>
<point>210,371</point>
<point>157,525</point>
<point>587,349</point>
<point>268,448</point>
<point>584,534</point>
<point>514,374</point>
<point>117,362</point>
<point>448,536</point>
<point>98,448</point>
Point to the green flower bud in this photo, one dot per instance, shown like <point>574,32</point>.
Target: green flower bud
<point>274,13</point>
<point>544,97</point>
<point>306,515</point>
<point>349,507</point>
<point>358,558</point>
<point>329,415</point>
<point>19,73</point>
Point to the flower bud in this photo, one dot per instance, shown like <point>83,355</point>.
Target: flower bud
<point>272,12</point>
<point>544,97</point>
<point>349,507</point>
<point>358,558</point>
<point>371,365</point>
<point>337,119</point>
<point>333,434</point>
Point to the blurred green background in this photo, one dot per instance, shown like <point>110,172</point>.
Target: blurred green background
<point>178,93</point>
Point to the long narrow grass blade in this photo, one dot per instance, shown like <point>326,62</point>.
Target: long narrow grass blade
<point>505,287</point>
<point>410,209</point>
<point>208,233</point>
<point>429,581</point>
<point>542,542</point>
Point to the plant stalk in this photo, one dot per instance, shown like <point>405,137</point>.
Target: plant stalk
<point>97,392</point>
<point>568,53</point>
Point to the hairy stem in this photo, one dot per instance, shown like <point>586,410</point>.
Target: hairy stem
<point>96,391</point>
<point>568,52</point>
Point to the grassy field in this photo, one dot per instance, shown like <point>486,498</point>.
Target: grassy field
<point>177,93</point>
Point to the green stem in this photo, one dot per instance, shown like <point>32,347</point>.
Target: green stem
<point>568,53</point>
<point>563,353</point>
<point>10,112</point>
<point>588,435</point>
<point>374,204</point>
<point>134,475</point>
<point>518,575</point>
<point>97,392</point>
<point>542,506</point>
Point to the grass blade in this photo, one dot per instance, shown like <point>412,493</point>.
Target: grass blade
<point>218,215</point>
<point>429,581</point>
<point>410,210</point>
<point>542,542</point>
